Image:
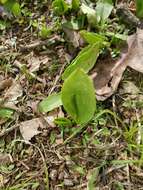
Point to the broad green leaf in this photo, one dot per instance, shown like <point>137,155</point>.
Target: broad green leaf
<point>6,113</point>
<point>51,102</point>
<point>78,96</point>
<point>139,8</point>
<point>60,7</point>
<point>91,14</point>
<point>92,38</point>
<point>103,10</point>
<point>85,60</point>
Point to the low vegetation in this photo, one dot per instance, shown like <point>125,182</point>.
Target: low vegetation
<point>71,94</point>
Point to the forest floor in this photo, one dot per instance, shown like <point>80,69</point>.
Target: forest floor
<point>38,41</point>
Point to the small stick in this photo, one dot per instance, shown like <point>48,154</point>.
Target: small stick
<point>38,44</point>
<point>57,79</point>
<point>5,132</point>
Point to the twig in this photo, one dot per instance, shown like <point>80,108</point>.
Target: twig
<point>43,159</point>
<point>139,128</point>
<point>128,177</point>
<point>5,132</point>
<point>57,79</point>
<point>38,44</point>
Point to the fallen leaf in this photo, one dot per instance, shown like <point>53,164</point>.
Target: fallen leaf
<point>5,158</point>
<point>72,36</point>
<point>6,83</point>
<point>135,53</point>
<point>107,76</point>
<point>32,127</point>
<point>129,88</point>
<point>14,92</point>
<point>33,62</point>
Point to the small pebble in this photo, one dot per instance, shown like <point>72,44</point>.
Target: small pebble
<point>53,175</point>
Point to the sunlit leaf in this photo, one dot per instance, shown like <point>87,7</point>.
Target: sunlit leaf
<point>51,102</point>
<point>92,38</point>
<point>90,12</point>
<point>78,96</point>
<point>85,60</point>
<point>60,7</point>
<point>103,10</point>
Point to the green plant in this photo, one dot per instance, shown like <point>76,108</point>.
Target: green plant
<point>60,7</point>
<point>78,96</point>
<point>139,8</point>
<point>78,93</point>
<point>85,60</point>
<point>49,103</point>
<point>12,6</point>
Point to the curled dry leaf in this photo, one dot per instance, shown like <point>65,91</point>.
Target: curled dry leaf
<point>107,76</point>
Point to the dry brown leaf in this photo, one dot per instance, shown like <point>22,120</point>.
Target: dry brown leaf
<point>107,76</point>
<point>129,88</point>
<point>72,36</point>
<point>32,127</point>
<point>5,158</point>
<point>6,83</point>
<point>12,94</point>
<point>33,62</point>
<point>135,52</point>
